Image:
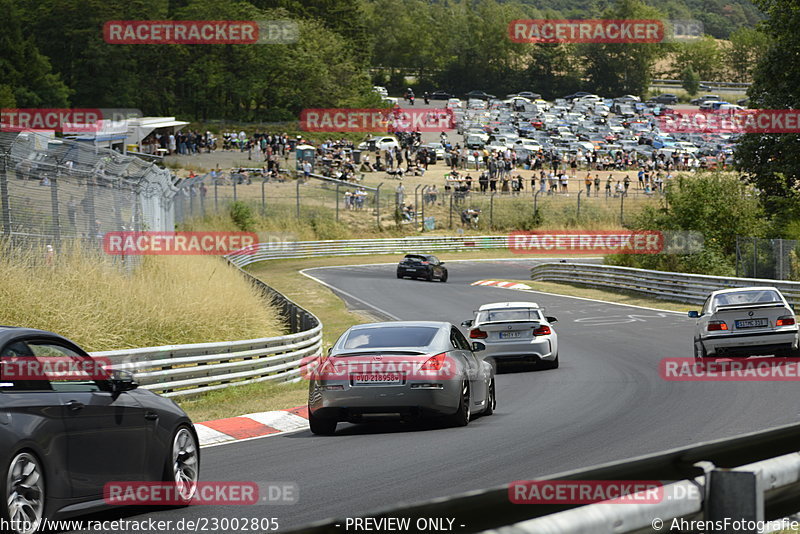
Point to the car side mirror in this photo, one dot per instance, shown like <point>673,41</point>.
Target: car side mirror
<point>551,319</point>
<point>694,314</point>
<point>466,324</point>
<point>122,381</point>
<point>441,263</point>
<point>477,346</point>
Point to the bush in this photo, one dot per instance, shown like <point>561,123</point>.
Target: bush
<point>718,205</point>
<point>242,216</point>
<point>166,300</point>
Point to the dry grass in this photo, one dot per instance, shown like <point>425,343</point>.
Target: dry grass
<point>166,300</point>
<point>251,398</point>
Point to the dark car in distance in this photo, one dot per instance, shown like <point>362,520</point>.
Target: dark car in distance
<point>479,95</point>
<point>422,266</point>
<point>665,98</point>
<point>64,437</point>
<point>440,95</point>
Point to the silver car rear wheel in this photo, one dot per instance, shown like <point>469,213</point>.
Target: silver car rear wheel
<point>462,415</point>
<point>25,496</point>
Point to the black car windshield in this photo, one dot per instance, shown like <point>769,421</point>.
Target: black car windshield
<point>390,337</point>
<point>765,296</point>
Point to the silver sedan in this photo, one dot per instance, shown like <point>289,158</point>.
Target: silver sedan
<point>400,370</point>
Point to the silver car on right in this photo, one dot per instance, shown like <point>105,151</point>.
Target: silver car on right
<point>745,321</point>
<point>515,332</point>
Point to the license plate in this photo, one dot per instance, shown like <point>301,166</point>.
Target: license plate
<point>407,269</point>
<point>377,378</point>
<point>751,323</point>
<point>507,335</point>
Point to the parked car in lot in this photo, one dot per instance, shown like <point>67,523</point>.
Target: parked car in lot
<point>665,98</point>
<point>745,321</point>
<point>379,143</point>
<point>704,98</point>
<point>422,266</point>
<point>63,437</point>
<point>400,370</point>
<point>480,95</point>
<point>515,332</point>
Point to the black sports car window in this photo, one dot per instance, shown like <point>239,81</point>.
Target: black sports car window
<point>15,369</point>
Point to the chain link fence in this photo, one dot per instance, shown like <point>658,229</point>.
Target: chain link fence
<point>778,259</point>
<point>56,190</point>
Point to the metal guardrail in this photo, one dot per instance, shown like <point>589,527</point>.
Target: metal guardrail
<point>182,370</point>
<point>680,287</point>
<point>753,477</point>
<point>356,247</point>
<point>704,82</point>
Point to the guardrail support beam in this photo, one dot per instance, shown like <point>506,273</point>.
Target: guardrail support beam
<point>734,495</point>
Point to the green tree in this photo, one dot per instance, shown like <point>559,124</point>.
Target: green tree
<point>772,161</point>
<point>691,80</point>
<point>747,47</point>
<point>717,205</point>
<point>616,69</point>
<point>28,79</point>
<point>704,55</point>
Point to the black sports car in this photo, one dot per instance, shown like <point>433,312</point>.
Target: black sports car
<point>422,266</point>
<point>64,436</point>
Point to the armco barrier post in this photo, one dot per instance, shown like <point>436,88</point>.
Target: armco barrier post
<point>578,213</point>
<point>734,495</point>
<point>337,201</point>
<point>622,209</point>
<point>234,180</point>
<point>536,202</point>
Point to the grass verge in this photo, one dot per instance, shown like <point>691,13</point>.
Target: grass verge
<point>251,398</point>
<point>88,298</point>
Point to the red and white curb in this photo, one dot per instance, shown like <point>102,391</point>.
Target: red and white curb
<point>252,425</point>
<point>505,285</point>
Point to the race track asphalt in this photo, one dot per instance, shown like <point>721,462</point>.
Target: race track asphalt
<point>605,402</point>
